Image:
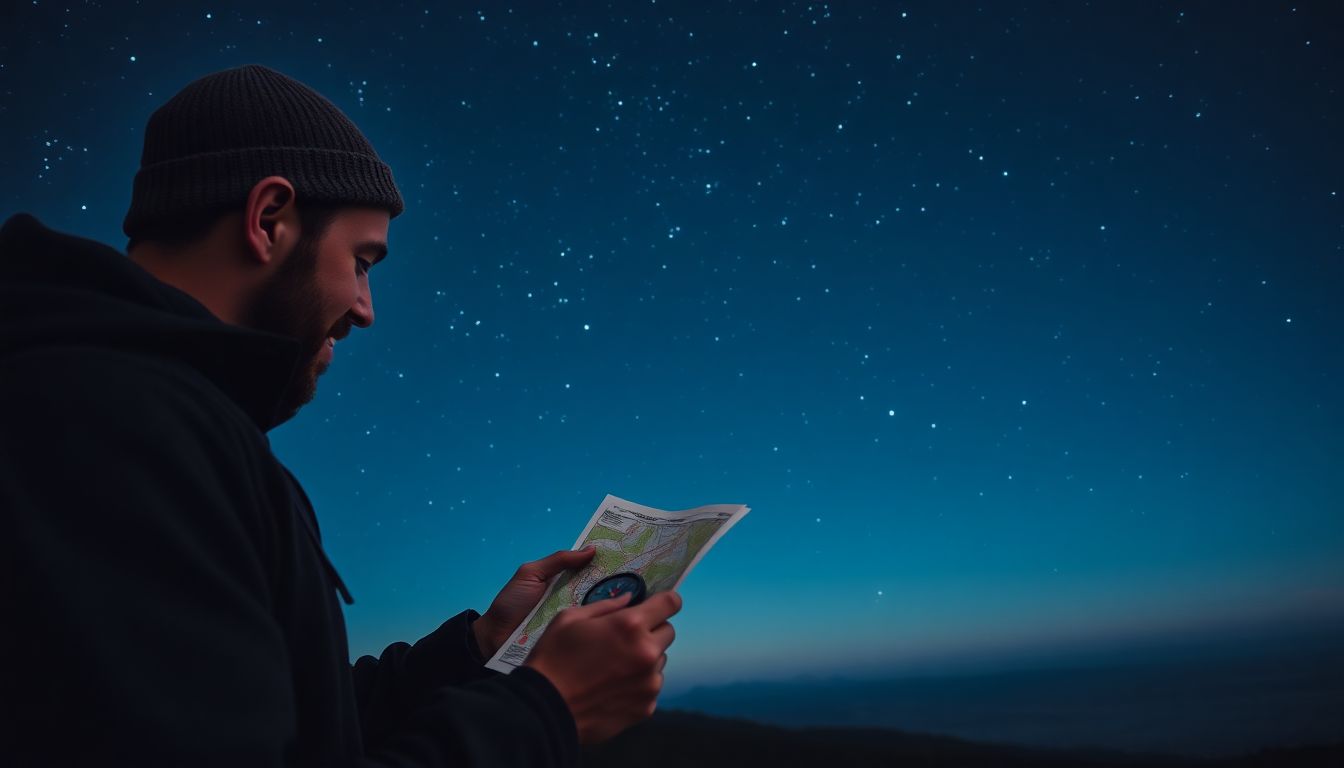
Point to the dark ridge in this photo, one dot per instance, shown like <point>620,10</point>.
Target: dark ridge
<point>676,739</point>
<point>1213,704</point>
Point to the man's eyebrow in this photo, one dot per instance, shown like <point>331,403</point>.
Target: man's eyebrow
<point>376,248</point>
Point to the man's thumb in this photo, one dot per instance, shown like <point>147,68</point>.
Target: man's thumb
<point>563,560</point>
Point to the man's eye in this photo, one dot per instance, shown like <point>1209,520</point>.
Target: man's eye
<point>362,266</point>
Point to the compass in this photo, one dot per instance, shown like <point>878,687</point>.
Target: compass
<point>615,586</point>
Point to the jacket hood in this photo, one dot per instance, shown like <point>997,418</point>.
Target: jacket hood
<point>61,290</point>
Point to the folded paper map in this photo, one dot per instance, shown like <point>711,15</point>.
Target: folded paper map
<point>662,547</point>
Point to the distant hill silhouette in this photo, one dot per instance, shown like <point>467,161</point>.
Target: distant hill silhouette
<point>1198,701</point>
<point>681,739</point>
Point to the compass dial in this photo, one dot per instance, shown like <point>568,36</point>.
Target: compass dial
<point>615,586</point>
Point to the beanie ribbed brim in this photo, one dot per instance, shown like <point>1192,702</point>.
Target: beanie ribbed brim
<point>207,182</point>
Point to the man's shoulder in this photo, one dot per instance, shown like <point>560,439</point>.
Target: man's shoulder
<point>115,385</point>
<point>95,367</point>
<point>124,419</point>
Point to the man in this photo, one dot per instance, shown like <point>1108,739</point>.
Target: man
<point>168,601</point>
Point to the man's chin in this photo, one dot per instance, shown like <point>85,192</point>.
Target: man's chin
<point>303,387</point>
<point>308,385</point>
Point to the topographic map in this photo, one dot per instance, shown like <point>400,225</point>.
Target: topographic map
<point>660,546</point>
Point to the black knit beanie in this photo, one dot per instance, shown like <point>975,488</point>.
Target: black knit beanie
<point>211,143</point>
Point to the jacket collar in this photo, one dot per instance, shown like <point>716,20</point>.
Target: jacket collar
<point>59,289</point>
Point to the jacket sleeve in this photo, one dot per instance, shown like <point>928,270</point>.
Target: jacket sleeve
<point>404,674</point>
<point>490,720</point>
<point>515,719</point>
<point>135,557</point>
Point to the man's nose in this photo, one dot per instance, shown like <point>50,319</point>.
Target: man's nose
<point>361,314</point>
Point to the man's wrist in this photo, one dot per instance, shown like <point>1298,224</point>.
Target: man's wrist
<point>482,631</point>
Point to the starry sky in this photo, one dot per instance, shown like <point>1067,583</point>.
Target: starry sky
<point>1017,326</point>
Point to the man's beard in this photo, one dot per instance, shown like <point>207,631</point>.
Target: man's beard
<point>289,305</point>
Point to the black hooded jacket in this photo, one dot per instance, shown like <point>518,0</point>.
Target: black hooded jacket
<point>166,597</point>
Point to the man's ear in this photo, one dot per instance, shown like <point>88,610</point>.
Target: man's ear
<point>270,220</point>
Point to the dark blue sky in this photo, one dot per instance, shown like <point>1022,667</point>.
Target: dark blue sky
<point>1015,325</point>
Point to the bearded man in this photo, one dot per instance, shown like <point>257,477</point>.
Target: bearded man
<point>168,599</point>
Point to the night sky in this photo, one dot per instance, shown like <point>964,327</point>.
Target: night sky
<point>1017,327</point>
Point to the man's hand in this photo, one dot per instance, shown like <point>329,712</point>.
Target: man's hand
<point>520,596</point>
<point>606,660</point>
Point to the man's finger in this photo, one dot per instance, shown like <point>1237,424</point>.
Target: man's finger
<point>563,560</point>
<point>663,635</point>
<point>599,608</point>
<point>658,608</point>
